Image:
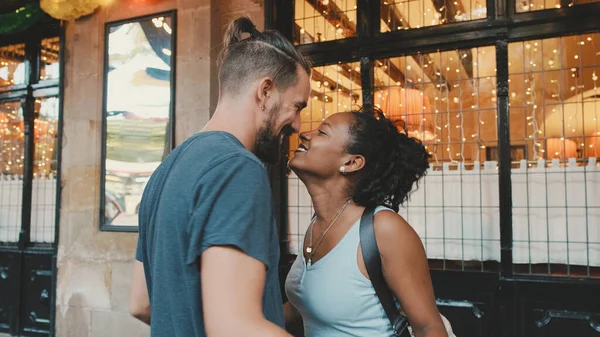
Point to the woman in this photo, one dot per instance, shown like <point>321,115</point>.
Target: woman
<point>352,161</point>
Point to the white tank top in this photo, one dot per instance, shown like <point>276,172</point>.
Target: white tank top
<point>334,297</point>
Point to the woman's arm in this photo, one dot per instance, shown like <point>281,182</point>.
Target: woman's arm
<point>406,271</point>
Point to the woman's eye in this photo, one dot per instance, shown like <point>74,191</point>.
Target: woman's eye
<point>321,132</point>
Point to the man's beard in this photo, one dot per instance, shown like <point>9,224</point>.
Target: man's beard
<point>268,143</point>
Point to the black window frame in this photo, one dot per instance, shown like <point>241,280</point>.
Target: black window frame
<point>502,26</point>
<point>27,93</point>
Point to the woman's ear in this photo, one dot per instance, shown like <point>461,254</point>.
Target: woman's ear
<point>354,164</point>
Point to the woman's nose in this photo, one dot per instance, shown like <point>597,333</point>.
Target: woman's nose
<point>305,136</point>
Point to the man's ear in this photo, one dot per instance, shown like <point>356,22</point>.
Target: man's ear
<point>354,163</point>
<point>263,92</point>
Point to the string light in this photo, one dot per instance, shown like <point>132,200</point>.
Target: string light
<point>12,136</point>
<point>596,120</point>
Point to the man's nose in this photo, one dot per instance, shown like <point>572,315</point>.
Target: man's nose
<point>296,124</point>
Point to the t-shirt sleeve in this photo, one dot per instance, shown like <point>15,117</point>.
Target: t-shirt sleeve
<point>138,251</point>
<point>234,208</point>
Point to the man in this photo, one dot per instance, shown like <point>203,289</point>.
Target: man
<point>207,251</point>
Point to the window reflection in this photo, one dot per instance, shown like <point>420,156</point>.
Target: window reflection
<point>12,65</point>
<point>138,107</point>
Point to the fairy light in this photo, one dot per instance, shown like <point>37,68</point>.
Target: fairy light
<point>596,121</point>
<point>532,118</point>
<point>12,138</point>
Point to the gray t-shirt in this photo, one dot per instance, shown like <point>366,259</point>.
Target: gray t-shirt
<point>209,191</point>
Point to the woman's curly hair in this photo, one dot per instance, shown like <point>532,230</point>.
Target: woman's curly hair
<point>394,162</point>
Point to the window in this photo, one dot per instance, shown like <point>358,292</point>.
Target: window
<point>399,15</point>
<point>537,5</point>
<point>29,99</point>
<point>138,113</point>
<point>49,59</point>
<point>11,166</point>
<point>335,88</point>
<point>12,65</point>
<point>496,95</point>
<point>555,114</point>
<point>447,100</point>
<point>324,20</point>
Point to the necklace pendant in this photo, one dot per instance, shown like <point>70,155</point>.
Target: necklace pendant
<point>309,250</point>
<point>309,262</point>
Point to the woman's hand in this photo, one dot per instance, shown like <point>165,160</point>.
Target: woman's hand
<point>406,271</point>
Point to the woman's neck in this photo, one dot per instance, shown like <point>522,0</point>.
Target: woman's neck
<point>328,199</point>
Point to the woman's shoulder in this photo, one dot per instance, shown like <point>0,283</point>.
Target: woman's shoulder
<point>392,229</point>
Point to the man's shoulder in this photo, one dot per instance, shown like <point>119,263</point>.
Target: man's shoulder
<point>222,150</point>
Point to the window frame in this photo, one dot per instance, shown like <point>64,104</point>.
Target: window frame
<point>104,226</point>
<point>27,93</point>
<point>502,26</point>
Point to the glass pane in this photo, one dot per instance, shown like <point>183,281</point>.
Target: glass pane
<point>11,170</point>
<point>45,163</point>
<point>12,65</point>
<point>448,100</point>
<point>335,88</point>
<point>555,119</point>
<point>138,110</point>
<point>399,15</point>
<point>537,5</point>
<point>49,59</point>
<point>323,20</point>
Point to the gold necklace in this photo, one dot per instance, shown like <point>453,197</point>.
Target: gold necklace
<point>311,249</point>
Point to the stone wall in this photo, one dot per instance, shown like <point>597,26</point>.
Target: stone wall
<point>94,267</point>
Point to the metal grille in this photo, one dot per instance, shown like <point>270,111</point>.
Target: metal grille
<point>448,100</point>
<point>324,20</point>
<point>43,205</point>
<point>336,88</point>
<point>555,121</point>
<point>399,15</point>
<point>11,170</point>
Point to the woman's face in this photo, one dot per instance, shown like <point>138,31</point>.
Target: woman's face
<point>322,151</point>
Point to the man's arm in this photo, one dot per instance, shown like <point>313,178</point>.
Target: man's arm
<point>139,302</point>
<point>232,288</point>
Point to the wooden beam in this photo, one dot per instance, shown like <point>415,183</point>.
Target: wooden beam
<point>345,67</point>
<point>334,86</point>
<point>334,15</point>
<point>398,20</point>
<point>450,11</point>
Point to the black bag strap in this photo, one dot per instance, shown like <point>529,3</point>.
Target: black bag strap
<point>372,259</point>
